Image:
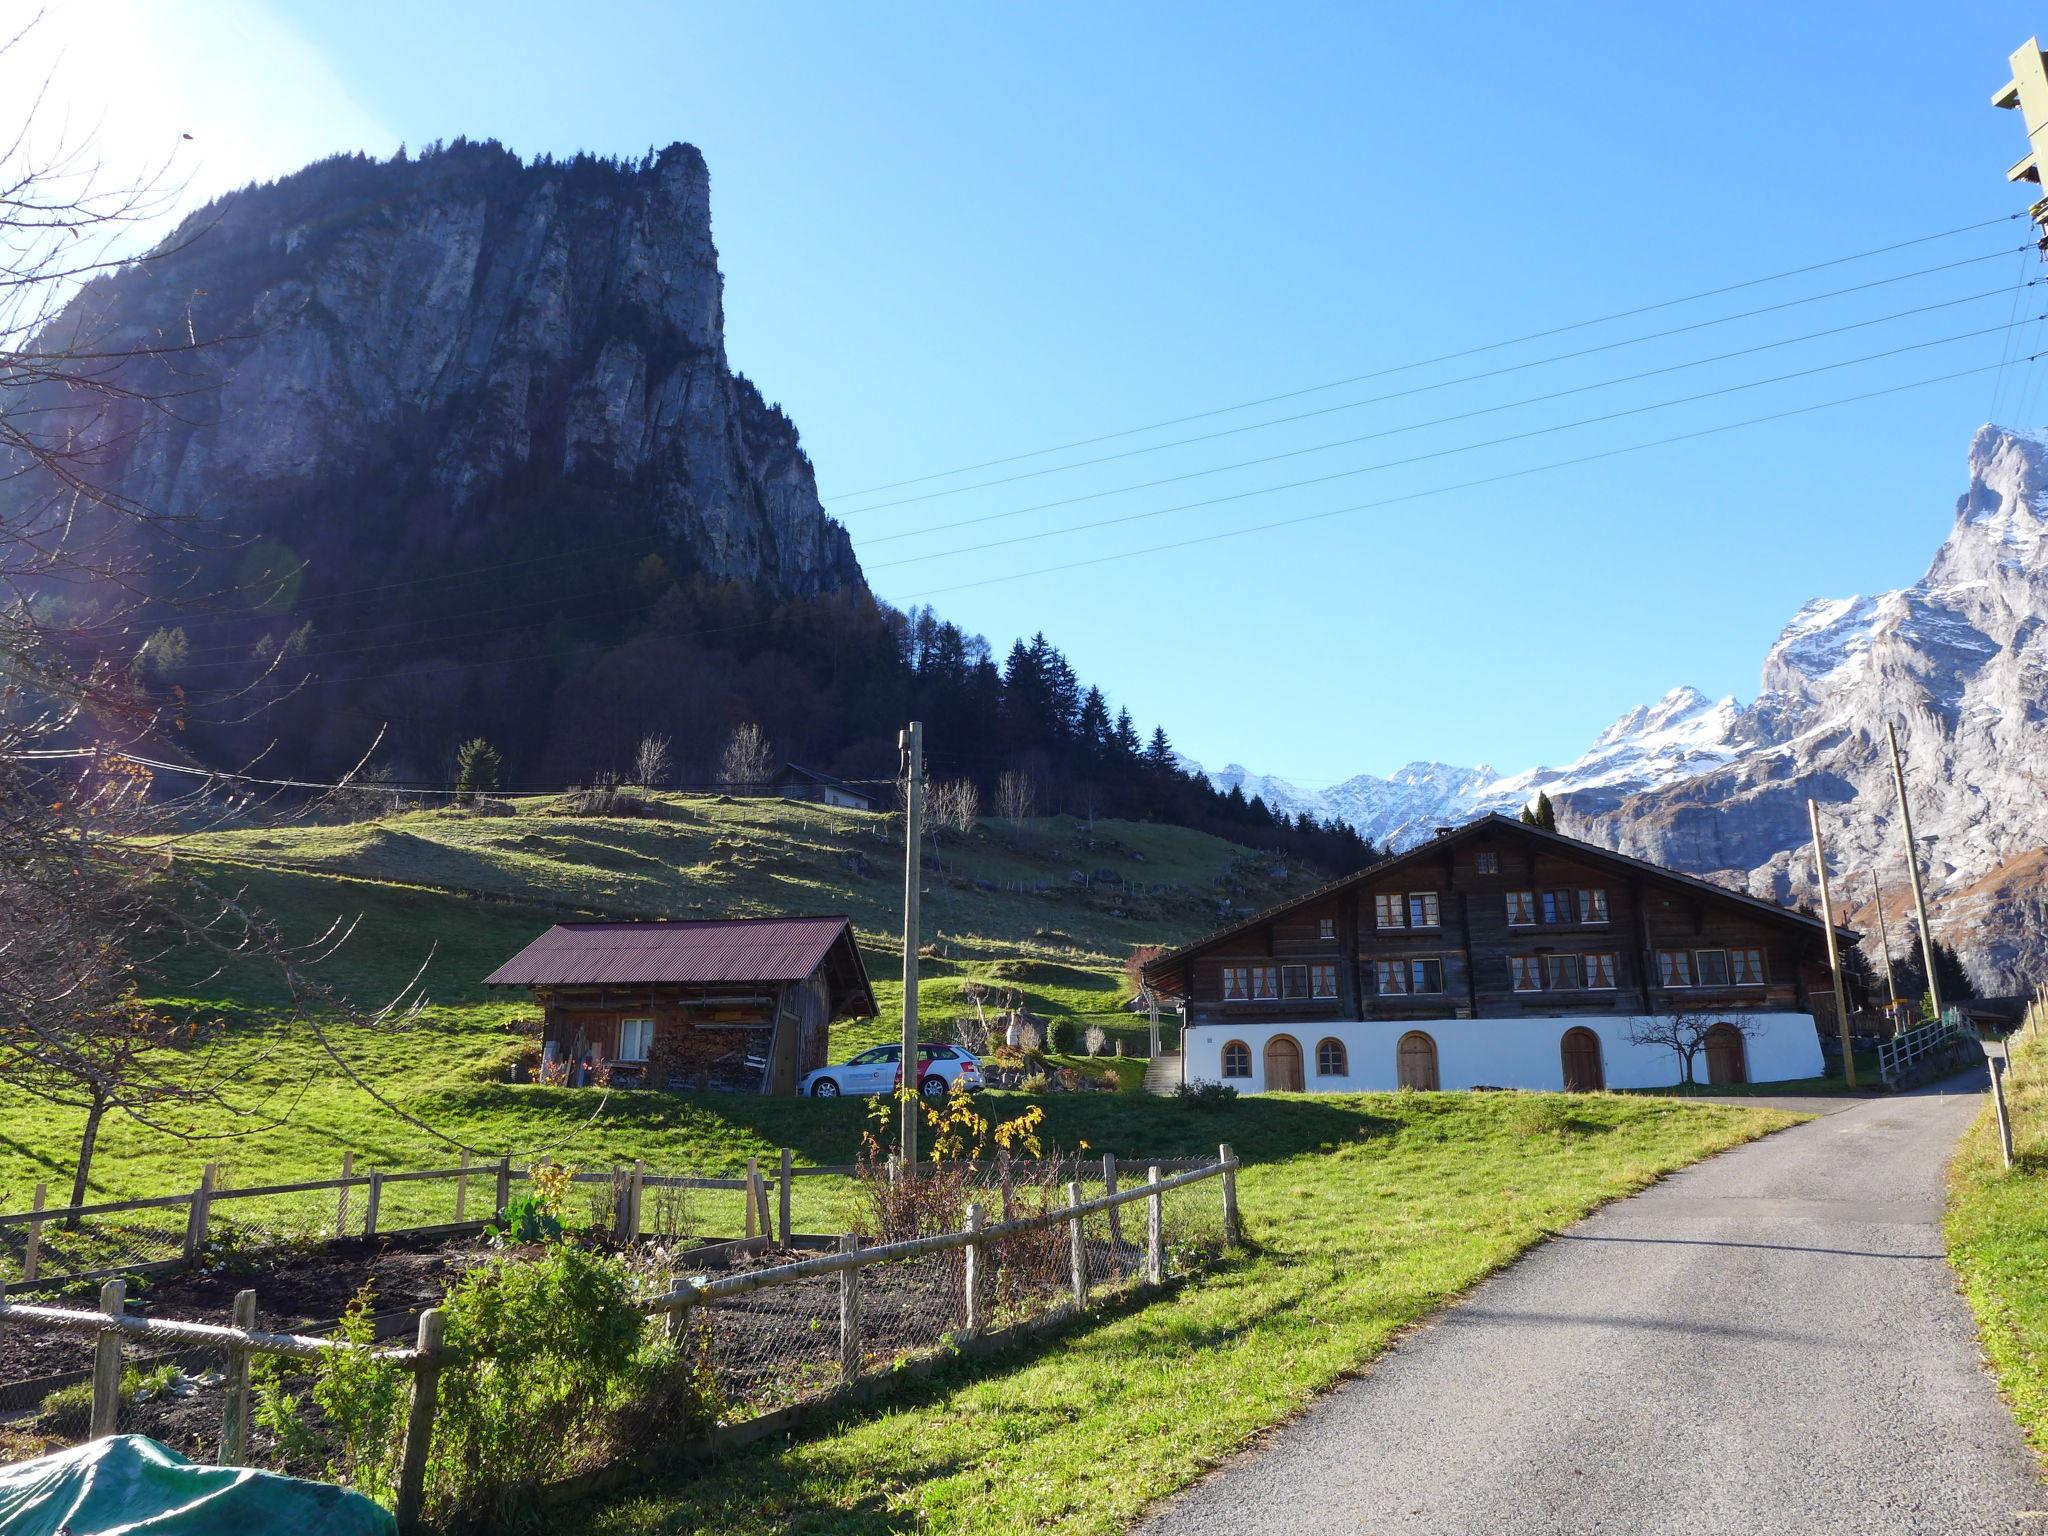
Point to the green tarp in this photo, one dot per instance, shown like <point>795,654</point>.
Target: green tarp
<point>131,1483</point>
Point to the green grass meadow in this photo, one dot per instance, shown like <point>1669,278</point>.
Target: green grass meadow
<point>1997,1232</point>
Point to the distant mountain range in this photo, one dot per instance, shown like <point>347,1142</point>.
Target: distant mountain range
<point>1958,661</point>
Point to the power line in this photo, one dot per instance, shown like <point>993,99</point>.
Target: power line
<point>1465,485</point>
<point>1516,437</point>
<point>1367,437</point>
<point>1420,389</point>
<point>1447,357</point>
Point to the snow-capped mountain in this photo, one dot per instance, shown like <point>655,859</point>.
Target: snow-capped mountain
<point>1958,662</point>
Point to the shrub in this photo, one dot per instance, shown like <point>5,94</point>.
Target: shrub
<point>1037,1082</point>
<point>1060,1034</point>
<point>1205,1095</point>
<point>1096,1040</point>
<point>68,1410</point>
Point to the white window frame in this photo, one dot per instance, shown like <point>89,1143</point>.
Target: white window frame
<point>1326,928</point>
<point>1528,900</point>
<point>1549,980</point>
<point>1394,902</point>
<point>1287,996</point>
<point>1417,960</point>
<point>1699,972</point>
<point>644,1028</point>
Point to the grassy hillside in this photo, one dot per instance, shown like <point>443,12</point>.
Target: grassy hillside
<point>1997,1232</point>
<point>459,893</point>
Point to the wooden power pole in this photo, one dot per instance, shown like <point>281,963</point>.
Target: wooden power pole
<point>1913,869</point>
<point>1827,917</point>
<point>2028,91</point>
<point>1891,987</point>
<point>911,742</point>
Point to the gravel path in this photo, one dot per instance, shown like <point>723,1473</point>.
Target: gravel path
<point>1768,1341</point>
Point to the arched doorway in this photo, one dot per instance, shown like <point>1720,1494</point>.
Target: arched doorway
<point>1283,1065</point>
<point>1580,1049</point>
<point>1417,1064</point>
<point>1727,1061</point>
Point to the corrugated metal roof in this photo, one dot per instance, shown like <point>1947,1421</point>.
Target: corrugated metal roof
<point>702,950</point>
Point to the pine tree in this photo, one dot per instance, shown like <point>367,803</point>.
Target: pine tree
<point>1125,739</point>
<point>476,770</point>
<point>1159,753</point>
<point>1544,815</point>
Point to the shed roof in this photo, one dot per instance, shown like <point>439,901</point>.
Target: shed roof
<point>745,949</point>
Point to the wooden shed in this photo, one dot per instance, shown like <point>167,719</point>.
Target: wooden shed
<point>743,1004</point>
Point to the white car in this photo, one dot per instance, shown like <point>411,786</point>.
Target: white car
<point>874,1071</point>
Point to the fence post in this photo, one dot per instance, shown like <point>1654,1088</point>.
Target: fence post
<point>504,1185</point>
<point>198,1214</point>
<point>782,1205</point>
<point>1116,1225</point>
<point>106,1363</point>
<point>462,1189</point>
<point>1155,1230</point>
<point>633,1193</point>
<point>1077,1247</point>
<point>348,1171</point>
<point>31,1260</point>
<point>370,1207</point>
<point>1232,1233</point>
<point>234,1428</point>
<point>419,1423</point>
<point>1004,1184</point>
<point>753,1212</point>
<point>849,1313</point>
<point>977,1264</point>
<point>1997,1066</point>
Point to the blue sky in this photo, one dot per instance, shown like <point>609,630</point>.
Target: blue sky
<point>953,234</point>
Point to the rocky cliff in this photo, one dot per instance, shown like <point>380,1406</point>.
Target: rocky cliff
<point>468,343</point>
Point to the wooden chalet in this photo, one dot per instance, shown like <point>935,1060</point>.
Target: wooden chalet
<point>1498,954</point>
<point>795,782</point>
<point>736,1003</point>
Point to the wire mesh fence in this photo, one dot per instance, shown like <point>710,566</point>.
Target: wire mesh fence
<point>961,1255</point>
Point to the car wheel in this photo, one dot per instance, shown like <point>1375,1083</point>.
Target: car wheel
<point>824,1088</point>
<point>933,1087</point>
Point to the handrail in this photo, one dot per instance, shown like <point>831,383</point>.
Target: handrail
<point>77,1320</point>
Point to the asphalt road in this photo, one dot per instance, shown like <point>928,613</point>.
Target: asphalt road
<point>1770,1341</point>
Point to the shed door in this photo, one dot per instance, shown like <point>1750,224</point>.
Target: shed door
<point>1581,1051</point>
<point>1418,1061</point>
<point>1283,1065</point>
<point>1727,1062</point>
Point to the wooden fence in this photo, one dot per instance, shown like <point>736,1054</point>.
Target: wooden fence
<point>429,1357</point>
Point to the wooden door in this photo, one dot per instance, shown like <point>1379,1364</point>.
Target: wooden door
<point>1418,1061</point>
<point>1581,1051</point>
<point>1727,1062</point>
<point>1283,1065</point>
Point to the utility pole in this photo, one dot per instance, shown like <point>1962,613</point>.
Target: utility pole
<point>2028,91</point>
<point>1891,988</point>
<point>1913,865</point>
<point>1827,917</point>
<point>911,744</point>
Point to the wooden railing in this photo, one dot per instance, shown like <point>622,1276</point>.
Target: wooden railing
<point>1902,1053</point>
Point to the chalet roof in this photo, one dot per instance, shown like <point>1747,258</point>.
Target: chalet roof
<point>822,780</point>
<point>748,949</point>
<point>1495,822</point>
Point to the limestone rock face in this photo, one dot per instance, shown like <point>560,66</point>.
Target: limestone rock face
<point>458,331</point>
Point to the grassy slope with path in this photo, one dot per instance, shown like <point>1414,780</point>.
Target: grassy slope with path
<point>1368,1212</point>
<point>1997,1233</point>
<point>462,893</point>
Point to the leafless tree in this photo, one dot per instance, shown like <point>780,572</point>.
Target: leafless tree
<point>749,761</point>
<point>654,762</point>
<point>1684,1033</point>
<point>1016,795</point>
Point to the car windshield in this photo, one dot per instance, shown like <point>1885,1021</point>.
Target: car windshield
<point>869,1058</point>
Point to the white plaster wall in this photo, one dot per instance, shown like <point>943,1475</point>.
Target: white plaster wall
<point>1502,1053</point>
